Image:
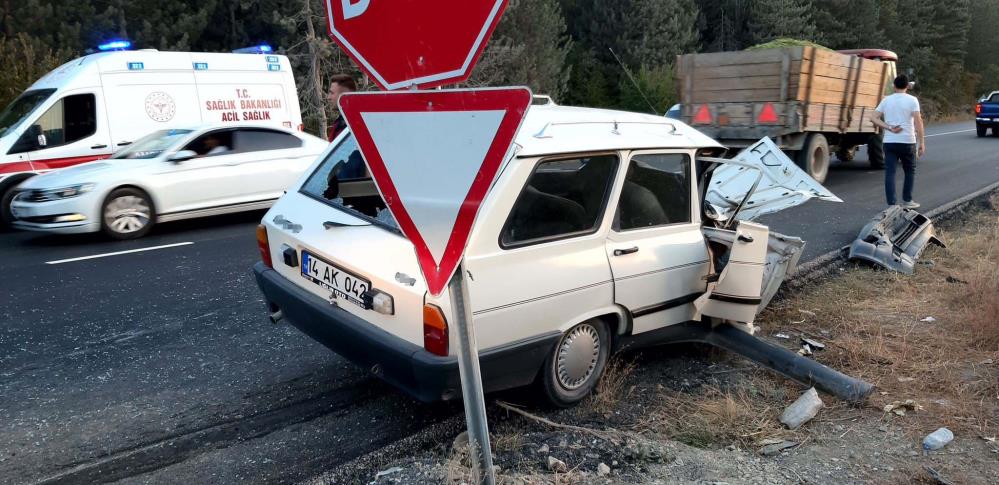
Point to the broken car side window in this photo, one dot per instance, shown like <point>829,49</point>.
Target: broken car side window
<point>562,198</point>
<point>656,192</point>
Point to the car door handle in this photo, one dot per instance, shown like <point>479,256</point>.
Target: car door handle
<point>124,143</point>
<point>98,147</point>
<point>622,252</point>
<point>744,238</point>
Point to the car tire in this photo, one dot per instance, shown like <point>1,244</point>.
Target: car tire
<point>127,213</point>
<point>575,364</point>
<point>814,157</point>
<point>982,130</point>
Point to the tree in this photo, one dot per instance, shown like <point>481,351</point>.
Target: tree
<point>772,19</point>
<point>529,47</point>
<point>723,24</point>
<point>849,24</point>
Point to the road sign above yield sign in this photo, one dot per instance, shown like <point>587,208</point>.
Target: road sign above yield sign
<point>433,156</point>
<point>406,43</point>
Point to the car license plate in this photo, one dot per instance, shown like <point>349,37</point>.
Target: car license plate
<point>342,284</point>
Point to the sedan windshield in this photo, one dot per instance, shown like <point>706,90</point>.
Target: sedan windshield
<point>151,145</point>
<point>21,107</point>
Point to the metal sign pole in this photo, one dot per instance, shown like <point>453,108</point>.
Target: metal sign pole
<point>471,381</point>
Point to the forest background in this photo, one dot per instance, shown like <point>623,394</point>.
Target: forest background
<point>557,47</point>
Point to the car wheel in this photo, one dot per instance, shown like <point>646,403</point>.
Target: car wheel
<point>575,365</point>
<point>981,130</point>
<point>127,214</point>
<point>814,157</point>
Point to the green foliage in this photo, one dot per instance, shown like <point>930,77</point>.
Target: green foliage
<point>23,60</point>
<point>773,19</point>
<point>655,88</point>
<point>784,42</point>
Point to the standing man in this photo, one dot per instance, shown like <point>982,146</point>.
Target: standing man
<point>339,84</point>
<point>898,114</point>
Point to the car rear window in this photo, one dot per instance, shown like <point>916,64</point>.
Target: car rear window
<point>994,98</point>
<point>341,180</point>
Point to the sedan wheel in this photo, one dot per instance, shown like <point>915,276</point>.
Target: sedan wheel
<point>575,365</point>
<point>127,214</point>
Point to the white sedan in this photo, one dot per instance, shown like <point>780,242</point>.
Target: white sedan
<point>166,176</point>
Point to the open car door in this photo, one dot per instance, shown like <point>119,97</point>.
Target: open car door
<point>753,261</point>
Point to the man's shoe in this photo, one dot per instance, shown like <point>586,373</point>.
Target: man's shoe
<point>910,204</point>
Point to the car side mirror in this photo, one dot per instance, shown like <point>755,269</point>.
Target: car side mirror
<point>182,156</point>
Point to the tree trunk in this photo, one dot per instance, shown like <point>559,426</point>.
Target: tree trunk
<point>315,76</point>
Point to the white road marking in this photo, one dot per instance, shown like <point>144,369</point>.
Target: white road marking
<point>950,132</point>
<point>116,253</point>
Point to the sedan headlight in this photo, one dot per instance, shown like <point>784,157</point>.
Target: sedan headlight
<point>60,193</point>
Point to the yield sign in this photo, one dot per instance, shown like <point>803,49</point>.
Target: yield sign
<point>406,43</point>
<point>433,156</point>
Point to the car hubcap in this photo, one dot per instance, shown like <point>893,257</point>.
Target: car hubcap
<point>127,214</point>
<point>577,356</point>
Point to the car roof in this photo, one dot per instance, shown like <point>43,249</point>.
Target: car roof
<point>551,129</point>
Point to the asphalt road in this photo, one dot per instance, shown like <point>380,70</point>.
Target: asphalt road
<point>160,366</point>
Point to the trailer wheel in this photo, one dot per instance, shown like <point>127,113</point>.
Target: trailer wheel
<point>574,366</point>
<point>876,151</point>
<point>814,157</point>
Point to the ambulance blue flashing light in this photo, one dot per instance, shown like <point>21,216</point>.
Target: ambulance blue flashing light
<point>115,45</point>
<point>257,49</point>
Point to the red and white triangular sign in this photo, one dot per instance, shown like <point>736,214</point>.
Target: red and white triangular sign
<point>433,156</point>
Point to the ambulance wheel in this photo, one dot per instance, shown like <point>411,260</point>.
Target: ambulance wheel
<point>575,365</point>
<point>814,157</point>
<point>6,197</point>
<point>127,213</point>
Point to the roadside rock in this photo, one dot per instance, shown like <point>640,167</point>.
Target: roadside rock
<point>802,410</point>
<point>603,470</point>
<point>543,448</point>
<point>556,465</point>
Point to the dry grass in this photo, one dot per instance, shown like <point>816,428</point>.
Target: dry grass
<point>872,323</point>
<point>612,387</point>
<point>744,415</point>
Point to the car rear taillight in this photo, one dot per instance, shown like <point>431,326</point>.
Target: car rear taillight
<point>264,246</point>
<point>434,330</point>
<point>978,109</point>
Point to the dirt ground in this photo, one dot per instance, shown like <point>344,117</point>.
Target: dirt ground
<point>691,414</point>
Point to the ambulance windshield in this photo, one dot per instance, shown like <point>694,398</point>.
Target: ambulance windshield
<point>153,144</point>
<point>20,108</point>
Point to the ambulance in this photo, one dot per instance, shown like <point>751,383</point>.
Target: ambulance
<point>91,107</point>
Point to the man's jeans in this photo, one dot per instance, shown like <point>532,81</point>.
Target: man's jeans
<point>906,153</point>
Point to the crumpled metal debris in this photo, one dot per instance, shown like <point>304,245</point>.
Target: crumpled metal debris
<point>894,239</point>
<point>900,407</point>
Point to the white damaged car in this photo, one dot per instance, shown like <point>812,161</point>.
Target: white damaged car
<point>603,230</point>
<point>168,175</point>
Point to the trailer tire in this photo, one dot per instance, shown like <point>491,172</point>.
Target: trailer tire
<point>814,157</point>
<point>876,151</point>
<point>576,363</point>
